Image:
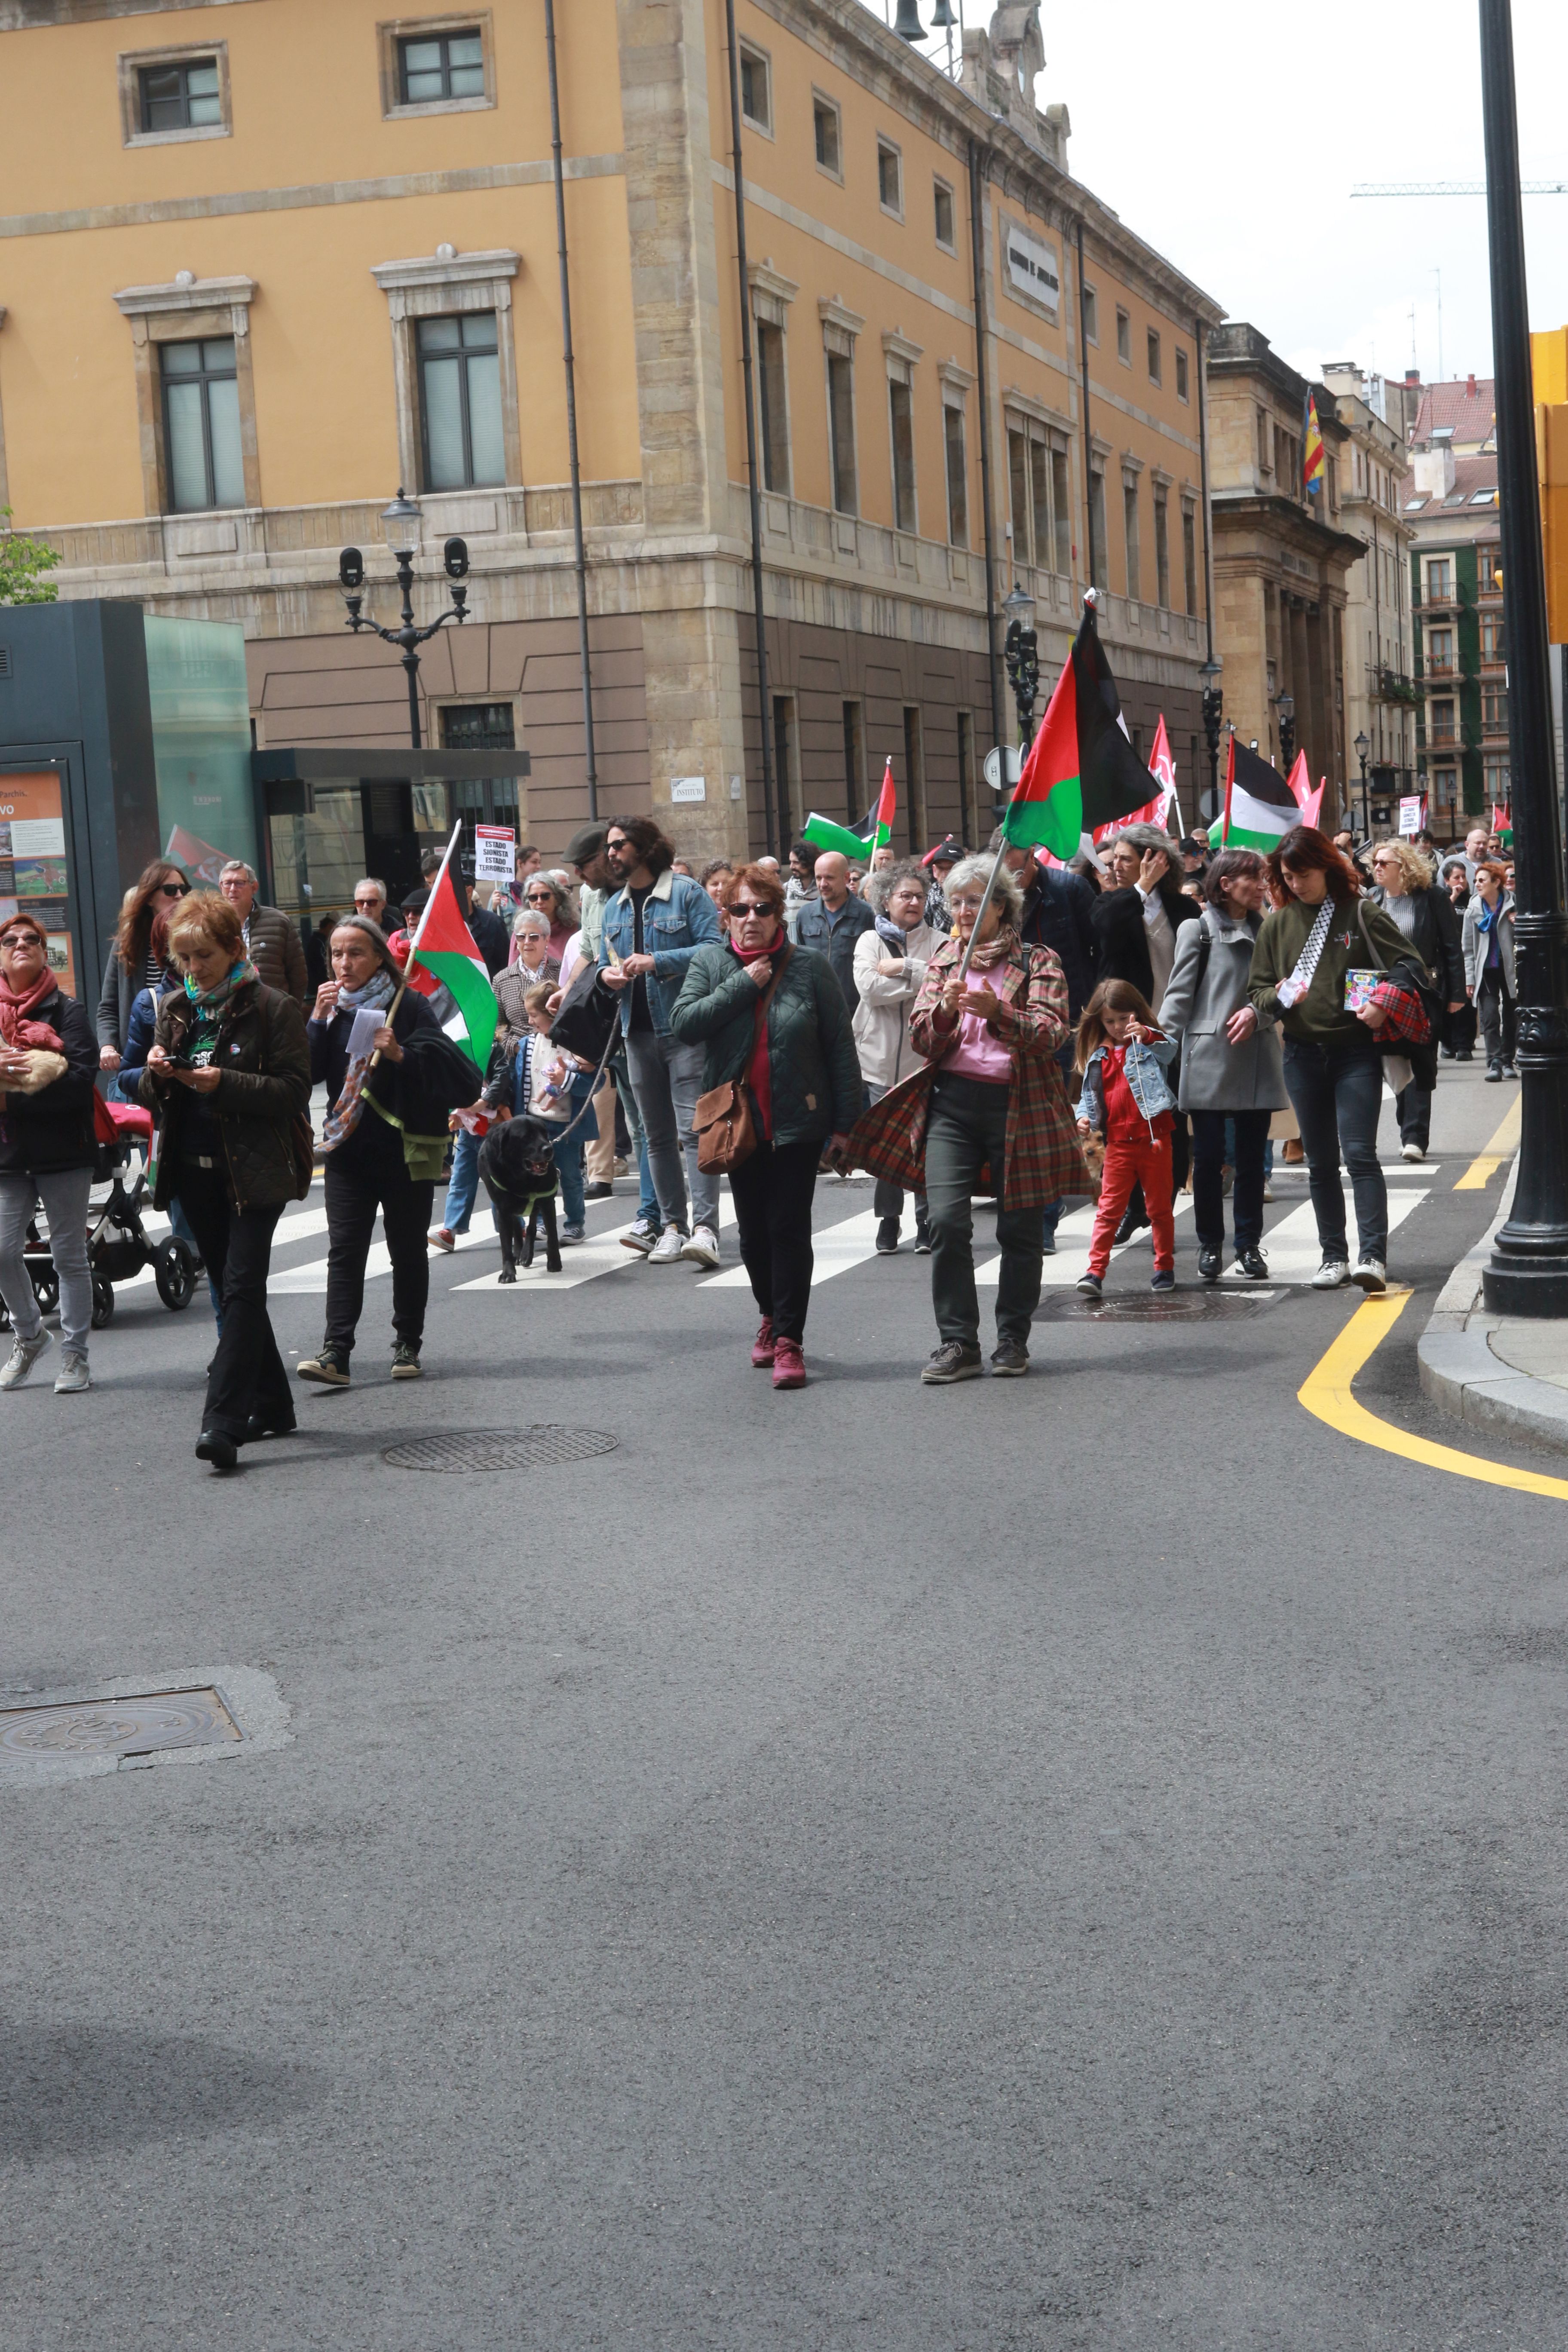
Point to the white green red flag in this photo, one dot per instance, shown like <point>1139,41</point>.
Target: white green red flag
<point>1081,772</point>
<point>1259,806</point>
<point>856,842</point>
<point>445,946</point>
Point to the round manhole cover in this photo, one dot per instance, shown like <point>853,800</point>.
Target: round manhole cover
<point>539,1447</point>
<point>1159,1307</point>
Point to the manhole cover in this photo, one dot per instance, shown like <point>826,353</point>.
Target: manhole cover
<point>1159,1307</point>
<point>115,1727</point>
<point>500,1449</point>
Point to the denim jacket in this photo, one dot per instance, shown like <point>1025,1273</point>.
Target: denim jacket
<point>677,918</point>
<point>1145,1067</point>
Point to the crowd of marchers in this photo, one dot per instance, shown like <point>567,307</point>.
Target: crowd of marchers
<point>1159,1015</point>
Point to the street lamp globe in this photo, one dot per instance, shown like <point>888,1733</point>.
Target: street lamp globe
<point>400,524</point>
<point>1019,606</point>
<point>1209,672</point>
<point>1362,746</point>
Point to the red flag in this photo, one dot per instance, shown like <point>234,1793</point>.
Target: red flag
<point>1162,768</point>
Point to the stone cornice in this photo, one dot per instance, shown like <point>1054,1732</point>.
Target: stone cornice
<point>765,279</point>
<point>898,346</point>
<point>185,291</point>
<point>447,267</point>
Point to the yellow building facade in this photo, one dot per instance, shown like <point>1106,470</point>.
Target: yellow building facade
<point>262,261</point>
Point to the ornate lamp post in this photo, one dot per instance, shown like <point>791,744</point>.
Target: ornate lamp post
<point>1213,710</point>
<point>1286,706</point>
<point>1362,746</point>
<point>400,527</point>
<point>1020,651</point>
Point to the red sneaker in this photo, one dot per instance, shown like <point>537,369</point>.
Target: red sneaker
<point>762,1345</point>
<point>789,1365</point>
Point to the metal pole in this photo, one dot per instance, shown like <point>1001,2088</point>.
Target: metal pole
<point>570,362</point>
<point>1528,1270</point>
<point>1087,452</point>
<point>410,658</point>
<point>1211,734</point>
<point>977,285</point>
<point>763,714</point>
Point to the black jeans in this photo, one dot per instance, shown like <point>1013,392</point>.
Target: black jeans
<point>772,1193</point>
<point>1495,1007</point>
<point>248,1375</point>
<point>967,1128</point>
<point>1337,1094</point>
<point>355,1189</point>
<point>1209,1184</point>
<point>1414,1104</point>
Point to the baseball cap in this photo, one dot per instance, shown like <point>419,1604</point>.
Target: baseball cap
<point>947,852</point>
<point>586,843</point>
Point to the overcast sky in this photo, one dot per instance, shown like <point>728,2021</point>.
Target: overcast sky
<point>1230,135</point>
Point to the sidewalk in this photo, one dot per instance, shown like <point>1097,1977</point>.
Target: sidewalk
<point>1496,1371</point>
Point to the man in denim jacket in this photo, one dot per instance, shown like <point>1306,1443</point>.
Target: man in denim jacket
<point>655,924</point>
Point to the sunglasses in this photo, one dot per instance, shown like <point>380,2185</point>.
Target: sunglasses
<point>21,940</point>
<point>173,890</point>
<point>746,907</point>
<point>540,895</point>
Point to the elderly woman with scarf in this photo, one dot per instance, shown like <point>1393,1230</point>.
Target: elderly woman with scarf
<point>227,1076</point>
<point>990,1096</point>
<point>890,966</point>
<point>47,1057</point>
<point>385,1063</point>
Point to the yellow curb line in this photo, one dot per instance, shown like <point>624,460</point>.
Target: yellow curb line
<point>1503,1146</point>
<point>1326,1394</point>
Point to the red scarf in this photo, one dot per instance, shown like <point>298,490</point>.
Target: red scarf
<point>15,1028</point>
<point>760,1075</point>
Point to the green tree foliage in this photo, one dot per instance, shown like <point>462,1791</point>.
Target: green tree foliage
<point>22,562</point>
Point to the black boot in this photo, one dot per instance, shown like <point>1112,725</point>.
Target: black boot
<point>1208,1264</point>
<point>888,1237</point>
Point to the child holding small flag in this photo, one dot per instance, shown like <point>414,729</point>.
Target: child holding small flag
<point>1123,1057</point>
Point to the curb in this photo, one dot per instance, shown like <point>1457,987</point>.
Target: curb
<point>1458,1369</point>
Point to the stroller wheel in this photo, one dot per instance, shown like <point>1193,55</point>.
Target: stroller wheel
<point>102,1302</point>
<point>174,1274</point>
<point>46,1287</point>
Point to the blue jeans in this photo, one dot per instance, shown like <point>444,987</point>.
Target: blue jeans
<point>647,1199</point>
<point>1238,1139</point>
<point>1337,1094</point>
<point>463,1184</point>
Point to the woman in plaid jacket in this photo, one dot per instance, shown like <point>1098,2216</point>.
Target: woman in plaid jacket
<point>989,1095</point>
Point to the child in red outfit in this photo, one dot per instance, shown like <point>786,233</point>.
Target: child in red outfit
<point>1137,1149</point>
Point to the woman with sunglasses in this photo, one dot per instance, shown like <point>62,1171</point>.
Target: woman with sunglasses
<point>546,894</point>
<point>799,1064</point>
<point>47,1151</point>
<point>133,963</point>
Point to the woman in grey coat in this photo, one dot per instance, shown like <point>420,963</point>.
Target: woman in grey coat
<point>1232,1069</point>
<point>1488,947</point>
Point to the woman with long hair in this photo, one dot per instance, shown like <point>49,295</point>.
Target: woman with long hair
<point>1403,889</point>
<point>133,964</point>
<point>1320,933</point>
<point>890,968</point>
<point>47,1149</point>
<point>1488,949</point>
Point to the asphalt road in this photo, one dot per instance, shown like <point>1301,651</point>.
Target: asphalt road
<point>1070,1862</point>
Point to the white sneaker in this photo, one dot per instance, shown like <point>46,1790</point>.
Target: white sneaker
<point>73,1376</point>
<point>702,1249</point>
<point>1411,1151</point>
<point>1332,1274</point>
<point>669,1248</point>
<point>1267,1190</point>
<point>24,1354</point>
<point>1371,1275</point>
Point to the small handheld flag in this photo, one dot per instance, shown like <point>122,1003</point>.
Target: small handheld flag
<point>1313,463</point>
<point>857,842</point>
<point>445,947</point>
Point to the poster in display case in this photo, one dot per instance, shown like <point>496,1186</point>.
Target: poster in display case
<point>35,864</point>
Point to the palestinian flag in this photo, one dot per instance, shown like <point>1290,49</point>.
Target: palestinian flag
<point>856,842</point>
<point>1081,770</point>
<point>445,946</point>
<point>1259,806</point>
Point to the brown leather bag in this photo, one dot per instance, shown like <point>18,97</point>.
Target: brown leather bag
<point>726,1133</point>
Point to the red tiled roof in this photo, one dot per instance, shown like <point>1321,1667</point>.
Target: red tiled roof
<point>1470,417</point>
<point>1470,474</point>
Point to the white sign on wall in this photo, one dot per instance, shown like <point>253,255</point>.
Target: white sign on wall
<point>687,788</point>
<point>1032,267</point>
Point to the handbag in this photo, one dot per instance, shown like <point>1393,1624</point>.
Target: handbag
<point>725,1129</point>
<point>1413,1007</point>
<point>589,1015</point>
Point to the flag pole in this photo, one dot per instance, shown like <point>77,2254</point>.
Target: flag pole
<point>435,885</point>
<point>980,917</point>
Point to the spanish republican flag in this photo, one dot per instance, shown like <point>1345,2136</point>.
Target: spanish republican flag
<point>1313,463</point>
<point>1081,770</point>
<point>445,947</point>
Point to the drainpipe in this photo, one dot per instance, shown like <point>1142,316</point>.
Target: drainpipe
<point>769,829</point>
<point>977,282</point>
<point>571,368</point>
<point>1088,452</point>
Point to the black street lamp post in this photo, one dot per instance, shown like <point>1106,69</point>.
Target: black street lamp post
<point>1020,651</point>
<point>1213,710</point>
<point>400,526</point>
<point>1528,1274</point>
<point>1286,707</point>
<point>1362,746</point>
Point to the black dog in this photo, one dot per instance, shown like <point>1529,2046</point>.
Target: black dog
<point>517,1166</point>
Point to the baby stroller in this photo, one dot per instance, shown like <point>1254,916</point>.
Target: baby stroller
<point>117,1246</point>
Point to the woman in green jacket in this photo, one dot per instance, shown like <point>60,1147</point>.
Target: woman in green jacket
<point>801,1071</point>
<point>1320,932</point>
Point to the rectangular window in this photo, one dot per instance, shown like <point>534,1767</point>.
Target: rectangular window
<point>774,408</point>
<point>825,126</point>
<point>1161,551</point>
<point>957,478</point>
<point>1444,784</point>
<point>1062,509</point>
<point>1040,500</point>
<point>438,66</point>
<point>182,95</point>
<point>1189,558</point>
<point>1129,529</point>
<point>1495,779</point>
<point>901,418</point>
<point>915,772</point>
<point>890,178</point>
<point>1090,316</point>
<point>853,762</point>
<point>946,232</point>
<point>1182,391</point>
<point>787,781</point>
<point>756,95</point>
<point>1265,443</point>
<point>1018,488</point>
<point>968,780</point>
<point>1440,649</point>
<point>1439,579</point>
<point>1154,376</point>
<point>841,429</point>
<point>1442,722</point>
<point>1123,338</point>
<point>478,727</point>
<point>1494,709</point>
<point>459,402</point>
<point>201,426</point>
<point>1491,637</point>
<point>1097,518</point>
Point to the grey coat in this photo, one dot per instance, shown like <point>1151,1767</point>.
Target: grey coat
<point>1216,1075</point>
<point>1475,942</point>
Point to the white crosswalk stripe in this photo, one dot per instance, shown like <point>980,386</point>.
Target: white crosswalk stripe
<point>582,1261</point>
<point>834,1249</point>
<point>1292,1249</point>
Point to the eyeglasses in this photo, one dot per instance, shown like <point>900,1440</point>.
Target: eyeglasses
<point>742,908</point>
<point>21,940</point>
<point>532,895</point>
<point>174,890</point>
